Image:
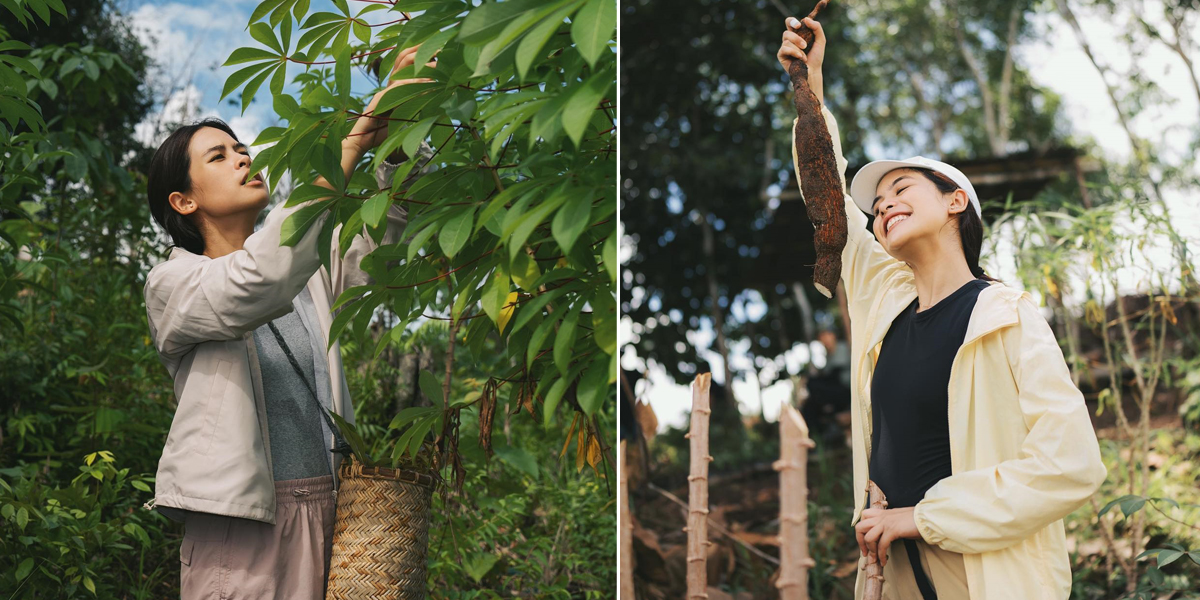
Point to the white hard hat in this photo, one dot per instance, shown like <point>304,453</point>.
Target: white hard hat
<point>862,189</point>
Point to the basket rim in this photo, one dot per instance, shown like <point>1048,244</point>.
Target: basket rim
<point>357,469</point>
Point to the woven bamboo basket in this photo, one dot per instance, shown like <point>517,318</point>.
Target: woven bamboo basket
<point>381,538</point>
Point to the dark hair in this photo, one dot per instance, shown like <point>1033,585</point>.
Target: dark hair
<point>970,226</point>
<point>169,174</point>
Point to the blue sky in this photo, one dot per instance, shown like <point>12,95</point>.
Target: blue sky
<point>190,39</point>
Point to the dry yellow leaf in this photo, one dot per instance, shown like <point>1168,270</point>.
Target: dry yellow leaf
<point>570,431</point>
<point>593,453</point>
<point>506,312</point>
<point>581,447</point>
<point>1168,311</point>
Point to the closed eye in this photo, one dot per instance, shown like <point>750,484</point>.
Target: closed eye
<point>223,156</point>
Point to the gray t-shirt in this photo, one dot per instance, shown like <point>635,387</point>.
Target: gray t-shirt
<point>298,448</point>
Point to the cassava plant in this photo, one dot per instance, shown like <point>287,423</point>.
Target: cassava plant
<point>511,236</point>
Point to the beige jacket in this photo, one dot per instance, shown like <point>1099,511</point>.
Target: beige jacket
<point>202,314</point>
<point>1023,451</point>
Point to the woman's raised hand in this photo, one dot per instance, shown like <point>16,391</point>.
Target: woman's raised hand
<point>370,130</point>
<point>795,48</point>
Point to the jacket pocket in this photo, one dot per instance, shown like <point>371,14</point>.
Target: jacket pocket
<point>185,551</point>
<point>214,400</point>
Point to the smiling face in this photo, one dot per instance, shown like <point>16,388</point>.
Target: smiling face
<point>908,207</point>
<point>219,189</point>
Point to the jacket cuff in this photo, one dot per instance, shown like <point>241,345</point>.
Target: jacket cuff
<point>383,175</point>
<point>929,533</point>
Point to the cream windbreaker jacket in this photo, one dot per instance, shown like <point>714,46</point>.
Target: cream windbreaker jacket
<point>1023,451</point>
<point>202,314</point>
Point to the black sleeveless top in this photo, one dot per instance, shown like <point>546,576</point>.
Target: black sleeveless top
<point>910,439</point>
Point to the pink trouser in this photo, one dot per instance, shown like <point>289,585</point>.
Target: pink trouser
<point>228,558</point>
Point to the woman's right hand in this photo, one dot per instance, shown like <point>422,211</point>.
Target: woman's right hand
<point>795,48</point>
<point>370,130</point>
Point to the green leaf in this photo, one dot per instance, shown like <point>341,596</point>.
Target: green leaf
<point>361,31</point>
<point>582,105</point>
<point>564,341</point>
<point>604,323</point>
<point>533,42</point>
<point>1132,505</point>
<point>342,318</point>
<point>571,220</point>
<point>533,307</point>
<point>265,7</point>
<point>50,87</point>
<point>416,134</point>
<point>1167,557</point>
<point>538,339</point>
<point>593,385</point>
<point>22,518</point>
<point>341,74</point>
<point>528,222</point>
<point>495,293</point>
<point>1113,503</point>
<point>419,431</point>
<point>411,414</point>
<point>525,271</point>
<point>375,208</point>
<point>519,458</point>
<point>430,47</point>
<point>593,27</point>
<point>279,80</point>
<point>24,569</point>
<point>140,485</point>
<point>89,584</point>
<point>610,257</point>
<point>457,231</point>
<point>357,445</point>
<point>245,55</point>
<point>252,88</point>
<point>487,21</point>
<point>553,397</point>
<point>297,224</point>
<point>509,36</point>
<point>478,565</point>
<point>432,389</point>
<point>241,76</point>
<point>265,35</point>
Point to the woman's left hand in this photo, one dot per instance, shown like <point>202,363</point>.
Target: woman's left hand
<point>370,130</point>
<point>878,527</point>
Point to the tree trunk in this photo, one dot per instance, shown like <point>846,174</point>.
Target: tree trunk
<point>718,316</point>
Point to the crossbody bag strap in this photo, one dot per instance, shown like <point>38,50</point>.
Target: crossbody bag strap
<point>340,446</point>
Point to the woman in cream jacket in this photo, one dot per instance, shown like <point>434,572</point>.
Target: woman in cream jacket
<point>1022,453</point>
<point>241,323</point>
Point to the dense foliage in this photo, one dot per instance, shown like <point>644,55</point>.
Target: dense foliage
<point>511,233</point>
<point>512,237</point>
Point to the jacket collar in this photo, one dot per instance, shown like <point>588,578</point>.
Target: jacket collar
<point>177,252</point>
<point>995,309</point>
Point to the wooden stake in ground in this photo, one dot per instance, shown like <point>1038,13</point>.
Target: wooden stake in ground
<point>697,521</point>
<point>873,587</point>
<point>626,530</point>
<point>794,560</point>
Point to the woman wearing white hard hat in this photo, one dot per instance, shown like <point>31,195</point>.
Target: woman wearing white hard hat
<point>963,410</point>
